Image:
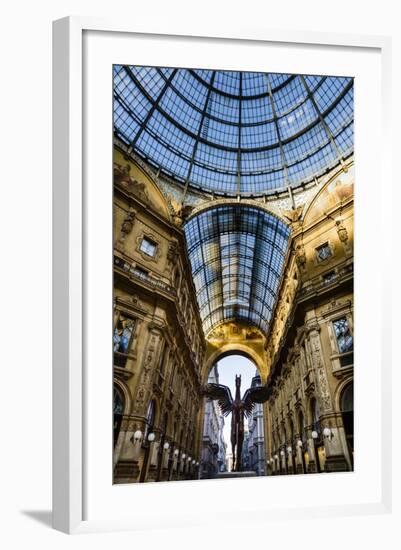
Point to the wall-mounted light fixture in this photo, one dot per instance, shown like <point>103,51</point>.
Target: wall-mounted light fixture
<point>327,433</point>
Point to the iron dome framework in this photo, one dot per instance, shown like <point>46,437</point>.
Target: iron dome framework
<point>234,133</point>
<point>237,254</point>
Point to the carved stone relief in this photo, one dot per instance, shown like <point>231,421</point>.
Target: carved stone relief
<point>343,236</point>
<point>317,360</point>
<point>147,371</point>
<point>126,228</point>
<point>300,257</point>
<point>122,177</point>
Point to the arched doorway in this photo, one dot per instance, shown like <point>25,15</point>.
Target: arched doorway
<point>347,412</point>
<point>217,453</point>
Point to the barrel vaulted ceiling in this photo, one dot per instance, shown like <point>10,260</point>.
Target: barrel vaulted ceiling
<point>237,254</point>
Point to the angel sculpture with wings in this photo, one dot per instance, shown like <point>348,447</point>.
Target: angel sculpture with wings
<point>238,408</point>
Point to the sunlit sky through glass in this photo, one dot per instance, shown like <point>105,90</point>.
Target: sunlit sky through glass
<point>233,132</point>
<point>237,254</point>
<point>228,368</point>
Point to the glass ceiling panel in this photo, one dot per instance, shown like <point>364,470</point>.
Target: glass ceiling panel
<point>231,132</point>
<point>237,255</point>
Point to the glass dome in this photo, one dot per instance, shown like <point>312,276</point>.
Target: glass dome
<point>234,133</point>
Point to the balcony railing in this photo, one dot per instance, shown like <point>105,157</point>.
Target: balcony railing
<point>347,359</point>
<point>148,280</point>
<point>319,284</point>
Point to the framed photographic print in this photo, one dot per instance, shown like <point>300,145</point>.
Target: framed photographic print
<point>214,293</point>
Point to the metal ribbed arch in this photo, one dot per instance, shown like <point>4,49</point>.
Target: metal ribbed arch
<point>237,254</point>
<point>234,133</point>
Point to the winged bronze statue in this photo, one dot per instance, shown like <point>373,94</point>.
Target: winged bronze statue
<point>238,407</point>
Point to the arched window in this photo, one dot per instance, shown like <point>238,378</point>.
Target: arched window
<point>118,410</point>
<point>347,411</point>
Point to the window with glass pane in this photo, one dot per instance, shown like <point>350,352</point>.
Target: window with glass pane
<point>148,247</point>
<point>323,251</point>
<point>122,340</point>
<point>345,341</point>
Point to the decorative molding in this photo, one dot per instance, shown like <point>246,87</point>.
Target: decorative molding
<point>150,237</point>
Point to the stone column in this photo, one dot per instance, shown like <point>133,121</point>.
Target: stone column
<point>131,453</point>
<point>290,468</point>
<point>153,461</point>
<point>148,369</point>
<point>283,461</point>
<point>335,459</point>
<point>336,452</point>
<point>324,397</point>
<point>312,466</point>
<point>298,456</point>
<point>175,461</point>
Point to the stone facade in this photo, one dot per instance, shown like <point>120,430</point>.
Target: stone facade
<point>213,446</point>
<point>158,340</point>
<point>162,357</point>
<point>256,439</point>
<point>311,349</point>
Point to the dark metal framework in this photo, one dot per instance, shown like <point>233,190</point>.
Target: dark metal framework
<point>234,133</point>
<point>237,254</point>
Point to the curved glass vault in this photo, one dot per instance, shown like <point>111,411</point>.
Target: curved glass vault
<point>237,255</point>
<point>234,133</point>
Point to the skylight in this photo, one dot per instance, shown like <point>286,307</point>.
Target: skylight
<point>237,255</point>
<point>234,133</point>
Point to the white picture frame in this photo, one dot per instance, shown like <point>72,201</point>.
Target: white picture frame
<point>75,39</point>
